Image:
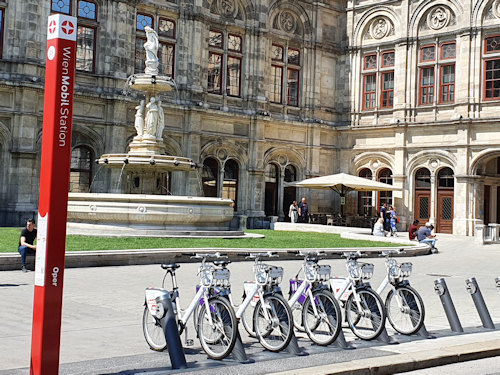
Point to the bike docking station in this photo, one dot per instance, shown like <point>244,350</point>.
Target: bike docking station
<point>442,291</point>
<point>238,353</point>
<point>165,312</point>
<point>473,288</point>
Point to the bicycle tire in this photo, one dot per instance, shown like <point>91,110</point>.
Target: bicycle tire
<point>369,323</point>
<point>410,318</point>
<point>153,331</point>
<point>247,320</point>
<point>324,328</point>
<point>222,334</point>
<point>281,321</point>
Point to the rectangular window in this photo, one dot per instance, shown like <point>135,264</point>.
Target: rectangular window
<point>387,99</point>
<point>166,57</point>
<point>426,85</point>
<point>234,43</point>
<point>215,39</point>
<point>293,87</point>
<point>387,59</point>
<point>85,49</point>
<point>276,82</point>
<point>428,53</point>
<point>61,6</point>
<point>166,28</point>
<point>214,73</point>
<point>370,61</point>
<point>447,87</point>
<point>277,53</point>
<point>369,87</point>
<point>233,76</point>
<point>87,9</point>
<point>492,44</point>
<point>492,79</point>
<point>293,56</point>
<point>140,56</point>
<point>144,20</point>
<point>448,51</point>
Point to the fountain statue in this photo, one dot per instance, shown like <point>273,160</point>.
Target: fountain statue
<point>140,202</point>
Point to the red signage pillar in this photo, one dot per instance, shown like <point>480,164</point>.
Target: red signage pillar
<point>53,198</point>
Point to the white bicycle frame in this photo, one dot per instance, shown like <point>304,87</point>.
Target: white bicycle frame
<point>386,281</point>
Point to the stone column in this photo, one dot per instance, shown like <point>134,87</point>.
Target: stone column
<point>281,215</point>
<point>433,205</point>
<point>493,203</point>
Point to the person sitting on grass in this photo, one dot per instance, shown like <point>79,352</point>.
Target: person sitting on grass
<point>26,242</point>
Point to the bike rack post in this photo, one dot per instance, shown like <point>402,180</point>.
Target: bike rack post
<point>497,283</point>
<point>340,341</point>
<point>174,345</point>
<point>449,308</point>
<point>385,338</point>
<point>422,332</point>
<point>293,347</point>
<point>473,288</point>
<point>238,353</point>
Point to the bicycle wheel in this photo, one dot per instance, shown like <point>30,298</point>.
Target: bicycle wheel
<point>405,310</point>
<point>217,339</point>
<point>297,317</point>
<point>274,334</point>
<point>368,320</point>
<point>323,327</point>
<point>153,331</point>
<point>247,320</point>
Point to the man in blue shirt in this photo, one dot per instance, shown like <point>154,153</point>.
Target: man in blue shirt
<point>424,235</point>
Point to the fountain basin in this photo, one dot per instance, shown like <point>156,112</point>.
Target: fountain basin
<point>149,215</point>
<point>151,162</point>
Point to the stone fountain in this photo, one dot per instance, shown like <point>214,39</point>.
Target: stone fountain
<point>145,169</point>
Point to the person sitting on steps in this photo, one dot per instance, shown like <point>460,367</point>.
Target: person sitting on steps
<point>26,242</point>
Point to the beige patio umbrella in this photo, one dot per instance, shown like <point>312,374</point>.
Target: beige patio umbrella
<point>342,183</point>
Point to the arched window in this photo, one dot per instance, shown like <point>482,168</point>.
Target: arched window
<point>423,179</point>
<point>365,197</point>
<point>81,169</point>
<point>271,197</point>
<point>230,187</point>
<point>209,177</point>
<point>422,209</point>
<point>446,179</point>
<point>385,176</point>
<point>290,173</point>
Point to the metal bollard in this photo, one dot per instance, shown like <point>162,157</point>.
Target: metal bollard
<point>497,283</point>
<point>473,288</point>
<point>449,308</point>
<point>167,320</point>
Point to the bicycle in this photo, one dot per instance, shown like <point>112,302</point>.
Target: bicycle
<point>272,319</point>
<point>404,306</point>
<point>364,309</point>
<point>320,315</point>
<point>216,325</point>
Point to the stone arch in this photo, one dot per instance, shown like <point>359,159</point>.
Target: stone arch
<point>222,151</point>
<point>482,10</point>
<point>83,135</point>
<point>365,22</point>
<point>482,158</point>
<point>432,160</point>
<point>290,18</point>
<point>230,10</point>
<point>421,12</point>
<point>282,157</point>
<point>375,161</point>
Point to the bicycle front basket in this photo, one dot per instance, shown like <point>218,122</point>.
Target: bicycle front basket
<point>221,277</point>
<point>206,276</point>
<point>367,270</point>
<point>275,274</point>
<point>405,269</point>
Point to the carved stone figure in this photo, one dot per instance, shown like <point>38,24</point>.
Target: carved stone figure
<point>161,121</point>
<point>438,18</point>
<point>227,8</point>
<point>287,22</point>
<point>379,28</point>
<point>139,119</point>
<point>152,118</point>
<point>151,47</point>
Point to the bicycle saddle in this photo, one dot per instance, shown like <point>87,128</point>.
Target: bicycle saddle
<point>170,266</point>
<point>221,262</point>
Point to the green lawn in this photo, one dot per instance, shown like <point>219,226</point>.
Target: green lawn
<point>9,238</point>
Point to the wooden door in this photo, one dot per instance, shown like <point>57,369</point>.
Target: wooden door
<point>422,206</point>
<point>486,208</point>
<point>445,211</point>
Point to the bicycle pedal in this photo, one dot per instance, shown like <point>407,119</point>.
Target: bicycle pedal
<point>189,342</point>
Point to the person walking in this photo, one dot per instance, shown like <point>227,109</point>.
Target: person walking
<point>293,212</point>
<point>394,220</point>
<point>303,211</point>
<point>26,242</point>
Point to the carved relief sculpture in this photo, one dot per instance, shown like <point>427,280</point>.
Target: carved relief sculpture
<point>496,8</point>
<point>438,18</point>
<point>161,121</point>
<point>380,28</point>
<point>227,8</point>
<point>287,22</point>
<point>151,47</point>
<point>152,118</point>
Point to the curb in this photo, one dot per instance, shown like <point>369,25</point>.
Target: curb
<point>100,258</point>
<point>405,362</point>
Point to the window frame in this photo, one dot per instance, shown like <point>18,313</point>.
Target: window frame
<point>383,91</point>
<point>486,44</point>
<point>280,95</point>
<point>373,94</point>
<point>296,69</point>
<point>70,5</point>
<point>495,98</point>
<point>442,85</point>
<point>94,50</point>
<point>421,85</point>
<point>221,72</point>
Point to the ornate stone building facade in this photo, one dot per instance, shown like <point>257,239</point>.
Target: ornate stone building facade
<point>269,92</point>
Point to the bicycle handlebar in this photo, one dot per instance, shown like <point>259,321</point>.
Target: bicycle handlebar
<point>388,253</point>
<point>269,254</point>
<point>205,255</point>
<point>353,254</point>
